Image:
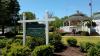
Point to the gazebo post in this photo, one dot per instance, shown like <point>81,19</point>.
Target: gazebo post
<point>69,22</point>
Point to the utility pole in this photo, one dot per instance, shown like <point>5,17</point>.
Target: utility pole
<point>91,7</point>
<point>91,12</point>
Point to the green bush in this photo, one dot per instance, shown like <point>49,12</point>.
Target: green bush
<point>72,41</point>
<point>33,41</point>
<point>62,34</point>
<point>84,46</point>
<point>84,33</point>
<point>98,45</point>
<point>4,51</point>
<point>44,50</point>
<point>55,40</point>
<point>94,51</point>
<point>18,41</point>
<point>16,51</point>
<point>3,43</point>
<point>54,37</point>
<point>58,46</point>
<point>9,41</point>
<point>39,41</point>
<point>28,41</point>
<point>94,34</point>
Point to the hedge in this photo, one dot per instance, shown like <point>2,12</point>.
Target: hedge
<point>43,50</point>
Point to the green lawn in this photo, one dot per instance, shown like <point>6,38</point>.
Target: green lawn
<point>93,39</point>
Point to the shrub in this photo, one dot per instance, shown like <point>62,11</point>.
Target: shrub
<point>84,33</point>
<point>37,42</point>
<point>3,43</point>
<point>72,41</point>
<point>63,33</point>
<point>9,41</point>
<point>94,34</point>
<point>44,50</point>
<point>29,40</point>
<point>54,37</point>
<point>18,41</point>
<point>94,51</point>
<point>98,45</point>
<point>16,51</point>
<point>32,42</point>
<point>55,40</point>
<point>84,46</point>
<point>4,52</point>
<point>58,46</point>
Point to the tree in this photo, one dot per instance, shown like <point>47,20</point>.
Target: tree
<point>30,15</point>
<point>8,12</point>
<point>57,23</point>
<point>64,18</point>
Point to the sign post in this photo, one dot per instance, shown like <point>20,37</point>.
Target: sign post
<point>46,20</point>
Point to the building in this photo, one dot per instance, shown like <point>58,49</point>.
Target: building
<point>97,21</point>
<point>77,22</point>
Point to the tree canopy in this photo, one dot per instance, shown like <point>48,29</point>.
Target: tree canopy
<point>30,15</point>
<point>9,10</point>
<point>64,18</point>
<point>57,23</point>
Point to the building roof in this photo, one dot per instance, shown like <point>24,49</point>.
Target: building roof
<point>96,16</point>
<point>77,18</point>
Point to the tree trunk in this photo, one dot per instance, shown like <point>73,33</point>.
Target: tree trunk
<point>2,29</point>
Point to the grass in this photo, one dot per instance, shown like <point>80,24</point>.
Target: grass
<point>93,39</point>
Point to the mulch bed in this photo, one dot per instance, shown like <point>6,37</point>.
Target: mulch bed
<point>70,51</point>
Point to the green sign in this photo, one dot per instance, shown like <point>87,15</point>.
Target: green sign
<point>35,32</point>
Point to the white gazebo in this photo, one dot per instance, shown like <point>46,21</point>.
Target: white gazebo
<point>75,21</point>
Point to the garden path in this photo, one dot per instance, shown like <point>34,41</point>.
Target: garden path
<point>71,51</point>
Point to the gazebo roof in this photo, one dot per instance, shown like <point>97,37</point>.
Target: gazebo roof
<point>78,16</point>
<point>81,18</point>
<point>76,19</point>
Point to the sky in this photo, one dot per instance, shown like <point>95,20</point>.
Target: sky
<point>59,8</point>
